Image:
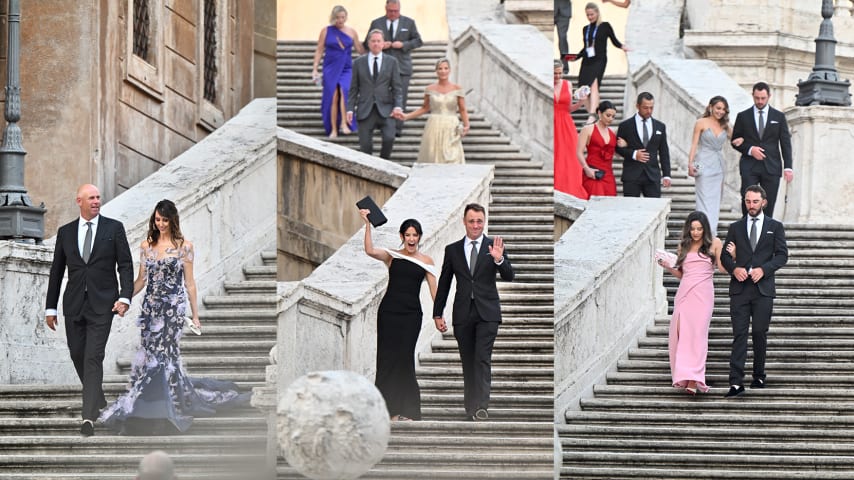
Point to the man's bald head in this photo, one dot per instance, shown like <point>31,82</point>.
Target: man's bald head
<point>89,201</point>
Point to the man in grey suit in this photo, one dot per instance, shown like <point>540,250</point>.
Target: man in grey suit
<point>400,37</point>
<point>563,13</point>
<point>375,95</point>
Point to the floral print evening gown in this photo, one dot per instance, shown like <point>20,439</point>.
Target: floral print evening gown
<point>161,398</point>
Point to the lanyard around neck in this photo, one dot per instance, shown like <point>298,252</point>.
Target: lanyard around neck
<point>593,39</point>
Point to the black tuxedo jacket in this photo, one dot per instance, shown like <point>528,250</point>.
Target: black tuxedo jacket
<point>776,141</point>
<point>482,283</point>
<point>97,278</point>
<point>659,154</point>
<point>771,253</point>
<point>406,33</point>
<point>386,92</point>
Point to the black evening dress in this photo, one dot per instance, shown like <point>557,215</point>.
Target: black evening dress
<point>398,324</point>
<point>593,68</point>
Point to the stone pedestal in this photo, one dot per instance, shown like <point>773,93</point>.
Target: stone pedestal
<point>333,425</point>
<point>823,189</point>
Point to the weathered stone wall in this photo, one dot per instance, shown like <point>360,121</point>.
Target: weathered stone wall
<point>222,189</point>
<point>506,71</point>
<point>328,321</point>
<point>95,113</point>
<point>607,291</point>
<point>319,184</point>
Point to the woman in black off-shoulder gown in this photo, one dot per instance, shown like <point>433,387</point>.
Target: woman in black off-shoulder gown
<point>399,319</point>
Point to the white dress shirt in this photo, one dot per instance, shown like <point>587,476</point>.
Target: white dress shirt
<point>392,23</point>
<point>379,58</point>
<point>760,220</point>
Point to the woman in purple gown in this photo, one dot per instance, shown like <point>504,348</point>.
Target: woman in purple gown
<point>698,255</point>
<point>337,41</point>
<point>160,397</point>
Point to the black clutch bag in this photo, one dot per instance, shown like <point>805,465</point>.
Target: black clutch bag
<point>376,216</point>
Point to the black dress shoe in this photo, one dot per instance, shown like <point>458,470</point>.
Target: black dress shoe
<point>757,383</point>
<point>87,429</point>
<point>481,415</point>
<point>735,392</point>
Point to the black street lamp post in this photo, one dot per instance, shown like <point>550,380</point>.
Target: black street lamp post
<point>19,219</point>
<point>823,86</point>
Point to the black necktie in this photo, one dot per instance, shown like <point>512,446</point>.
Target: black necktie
<point>645,134</point>
<point>87,243</point>
<point>376,68</point>
<point>761,128</point>
<point>753,233</point>
<point>391,30</point>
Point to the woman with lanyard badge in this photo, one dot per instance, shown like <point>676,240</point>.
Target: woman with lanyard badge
<point>594,57</point>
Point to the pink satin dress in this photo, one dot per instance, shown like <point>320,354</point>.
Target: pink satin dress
<point>689,327</point>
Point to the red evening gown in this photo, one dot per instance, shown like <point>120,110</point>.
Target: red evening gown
<point>600,156</point>
<point>567,170</point>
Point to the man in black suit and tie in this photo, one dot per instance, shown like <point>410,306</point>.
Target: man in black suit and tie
<point>760,250</point>
<point>375,96</point>
<point>474,261</point>
<point>93,248</point>
<point>400,37</point>
<point>766,141</point>
<point>646,157</point>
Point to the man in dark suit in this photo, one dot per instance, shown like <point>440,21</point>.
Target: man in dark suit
<point>563,14</point>
<point>766,141</point>
<point>760,250</point>
<point>646,158</point>
<point>400,37</point>
<point>477,309</point>
<point>93,248</point>
<point>375,96</point>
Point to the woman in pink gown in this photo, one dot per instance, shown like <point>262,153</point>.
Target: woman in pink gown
<point>567,170</point>
<point>698,255</point>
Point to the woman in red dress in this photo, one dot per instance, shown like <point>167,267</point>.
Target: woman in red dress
<point>599,142</point>
<point>567,170</point>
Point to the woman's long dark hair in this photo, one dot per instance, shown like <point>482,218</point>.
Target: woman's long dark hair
<point>169,211</point>
<point>685,242</point>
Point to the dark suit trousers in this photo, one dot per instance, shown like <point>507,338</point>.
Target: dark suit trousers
<point>366,133</point>
<point>771,184</point>
<point>87,336</point>
<point>749,303</point>
<point>475,339</point>
<point>404,84</point>
<point>644,186</point>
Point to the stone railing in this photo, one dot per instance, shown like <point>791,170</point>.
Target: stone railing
<point>682,88</point>
<point>506,72</point>
<point>328,321</point>
<point>221,187</point>
<point>320,184</point>
<point>607,292</point>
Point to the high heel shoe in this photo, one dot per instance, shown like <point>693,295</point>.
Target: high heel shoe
<point>691,390</point>
<point>345,130</point>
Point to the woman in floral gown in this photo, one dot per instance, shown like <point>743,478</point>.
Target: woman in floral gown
<point>160,397</point>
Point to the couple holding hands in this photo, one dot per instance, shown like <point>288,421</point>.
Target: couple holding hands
<point>474,262</point>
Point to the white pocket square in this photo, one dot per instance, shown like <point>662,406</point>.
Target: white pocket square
<point>769,231</point>
<point>774,121</point>
<point>658,132</point>
<point>404,29</point>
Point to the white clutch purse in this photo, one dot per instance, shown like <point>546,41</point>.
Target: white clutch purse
<point>188,322</point>
<point>668,259</point>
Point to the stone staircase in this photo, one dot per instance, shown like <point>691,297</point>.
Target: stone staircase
<point>517,442</point>
<point>637,426</point>
<point>39,424</point>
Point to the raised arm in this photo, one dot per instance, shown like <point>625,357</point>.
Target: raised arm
<point>372,252</point>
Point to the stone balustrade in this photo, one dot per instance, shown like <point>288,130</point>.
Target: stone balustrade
<point>607,291</point>
<point>221,188</point>
<point>506,71</point>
